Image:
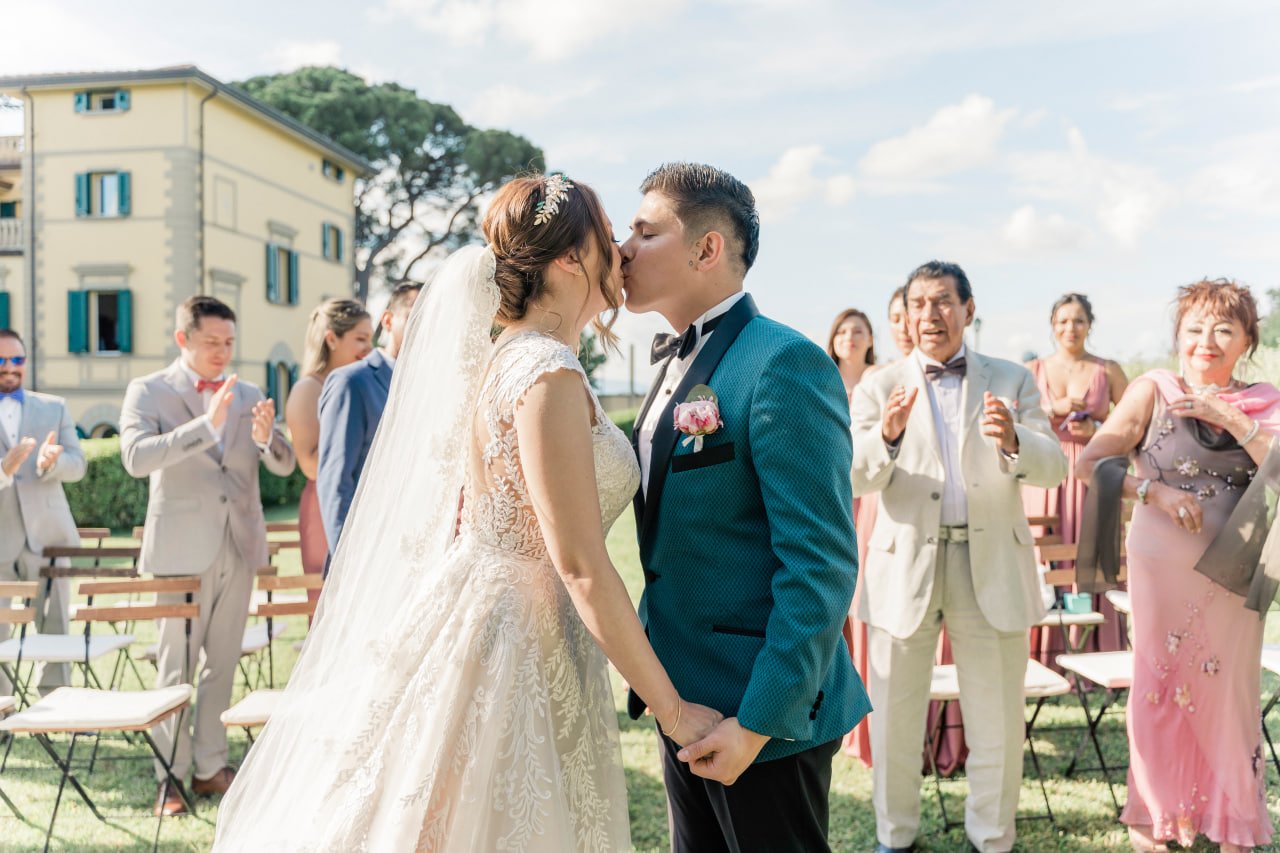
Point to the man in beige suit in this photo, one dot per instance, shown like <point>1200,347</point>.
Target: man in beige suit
<point>200,435</point>
<point>948,437</point>
<point>34,513</point>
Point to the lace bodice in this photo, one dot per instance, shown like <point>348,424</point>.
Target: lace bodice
<point>496,505</point>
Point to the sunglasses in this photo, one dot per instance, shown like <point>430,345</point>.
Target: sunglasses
<point>18,360</point>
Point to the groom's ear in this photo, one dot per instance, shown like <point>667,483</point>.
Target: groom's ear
<point>708,252</point>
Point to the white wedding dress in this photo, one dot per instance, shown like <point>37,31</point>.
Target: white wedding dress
<point>492,723</point>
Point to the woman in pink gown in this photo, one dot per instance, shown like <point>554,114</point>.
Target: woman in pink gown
<point>1195,739</point>
<point>1077,390</point>
<point>340,332</point>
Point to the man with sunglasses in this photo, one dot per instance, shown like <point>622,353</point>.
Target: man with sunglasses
<point>39,451</point>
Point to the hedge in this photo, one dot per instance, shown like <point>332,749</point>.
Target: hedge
<point>109,497</point>
<point>625,419</point>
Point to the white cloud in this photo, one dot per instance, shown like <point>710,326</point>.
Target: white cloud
<point>1124,198</point>
<point>1243,177</point>
<point>505,105</point>
<point>956,138</point>
<point>791,181</point>
<point>1028,230</point>
<point>1260,84</point>
<point>552,30</point>
<point>289,55</point>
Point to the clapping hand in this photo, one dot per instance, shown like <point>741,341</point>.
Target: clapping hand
<point>998,423</point>
<point>220,402</point>
<point>264,421</point>
<point>896,412</point>
<point>18,454</point>
<point>50,450</point>
<point>725,753</point>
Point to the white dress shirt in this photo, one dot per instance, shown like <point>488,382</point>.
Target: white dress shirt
<point>676,369</point>
<point>10,423</point>
<point>946,399</point>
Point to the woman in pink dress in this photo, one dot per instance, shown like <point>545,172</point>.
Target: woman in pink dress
<point>1077,390</point>
<point>1195,739</point>
<point>339,333</point>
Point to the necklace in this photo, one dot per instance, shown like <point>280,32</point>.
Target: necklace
<point>1211,388</point>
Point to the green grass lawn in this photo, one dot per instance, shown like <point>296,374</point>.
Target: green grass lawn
<point>123,787</point>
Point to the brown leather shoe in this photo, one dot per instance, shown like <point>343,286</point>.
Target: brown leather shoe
<point>218,783</point>
<point>168,801</point>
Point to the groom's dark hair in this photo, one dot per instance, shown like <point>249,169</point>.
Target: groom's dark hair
<point>709,199</point>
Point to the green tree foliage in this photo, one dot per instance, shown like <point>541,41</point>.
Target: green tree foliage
<point>432,167</point>
<point>1269,331</point>
<point>590,355</point>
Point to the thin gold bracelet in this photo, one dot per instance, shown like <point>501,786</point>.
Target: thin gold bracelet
<point>679,713</point>
<point>1251,434</point>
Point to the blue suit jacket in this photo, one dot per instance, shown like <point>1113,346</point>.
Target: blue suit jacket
<point>351,406</point>
<point>748,547</point>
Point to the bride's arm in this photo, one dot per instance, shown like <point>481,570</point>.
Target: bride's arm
<point>553,423</point>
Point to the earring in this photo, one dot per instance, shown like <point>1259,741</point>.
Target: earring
<point>690,264</point>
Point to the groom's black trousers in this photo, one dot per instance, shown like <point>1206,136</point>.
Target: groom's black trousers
<point>775,806</point>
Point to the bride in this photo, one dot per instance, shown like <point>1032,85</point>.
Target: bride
<point>452,694</point>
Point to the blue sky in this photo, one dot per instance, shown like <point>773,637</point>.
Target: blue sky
<point>1119,149</point>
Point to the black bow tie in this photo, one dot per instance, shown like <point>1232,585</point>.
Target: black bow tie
<point>937,371</point>
<point>665,346</point>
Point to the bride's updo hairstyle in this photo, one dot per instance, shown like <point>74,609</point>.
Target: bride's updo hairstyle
<point>528,228</point>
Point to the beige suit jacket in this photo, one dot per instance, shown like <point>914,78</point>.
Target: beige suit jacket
<point>897,580</point>
<point>197,489</point>
<point>33,509</point>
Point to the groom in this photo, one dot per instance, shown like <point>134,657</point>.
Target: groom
<point>746,533</point>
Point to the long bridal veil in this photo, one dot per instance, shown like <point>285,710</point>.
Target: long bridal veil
<point>312,761</point>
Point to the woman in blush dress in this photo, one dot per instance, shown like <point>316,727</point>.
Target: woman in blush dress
<point>1196,439</point>
<point>340,332</point>
<point>1077,389</point>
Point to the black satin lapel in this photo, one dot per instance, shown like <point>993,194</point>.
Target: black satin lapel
<point>705,364</point>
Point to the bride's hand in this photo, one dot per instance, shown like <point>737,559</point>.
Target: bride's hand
<point>695,722</point>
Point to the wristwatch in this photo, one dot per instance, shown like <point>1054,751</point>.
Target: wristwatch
<point>1143,488</point>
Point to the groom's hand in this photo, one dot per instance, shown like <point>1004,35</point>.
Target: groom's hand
<point>725,754</point>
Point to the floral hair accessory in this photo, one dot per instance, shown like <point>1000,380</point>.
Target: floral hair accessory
<point>698,416</point>
<point>555,190</point>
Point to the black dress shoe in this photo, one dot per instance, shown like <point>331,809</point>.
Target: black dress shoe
<point>884,848</point>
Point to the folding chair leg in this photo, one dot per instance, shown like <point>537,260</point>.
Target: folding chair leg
<point>167,764</point>
<point>12,806</point>
<point>1094,721</point>
<point>1271,703</point>
<point>932,738</point>
<point>1035,760</point>
<point>67,776</point>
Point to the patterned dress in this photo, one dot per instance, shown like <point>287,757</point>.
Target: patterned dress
<point>1195,739</point>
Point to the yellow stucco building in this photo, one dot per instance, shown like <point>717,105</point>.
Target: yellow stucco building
<point>129,192</point>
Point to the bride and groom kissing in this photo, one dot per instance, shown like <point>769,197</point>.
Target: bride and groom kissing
<point>453,690</point>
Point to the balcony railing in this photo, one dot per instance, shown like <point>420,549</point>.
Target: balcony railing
<point>11,235</point>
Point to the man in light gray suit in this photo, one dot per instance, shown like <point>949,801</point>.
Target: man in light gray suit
<point>948,436</point>
<point>199,435</point>
<point>33,507</point>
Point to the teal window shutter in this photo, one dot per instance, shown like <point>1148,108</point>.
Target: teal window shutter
<point>124,320</point>
<point>273,383</point>
<point>273,273</point>
<point>82,194</point>
<point>337,240</point>
<point>293,277</point>
<point>325,242</point>
<point>77,321</point>
<point>122,179</point>
<point>4,310</point>
<point>293,376</point>
<point>82,102</point>
<point>122,99</point>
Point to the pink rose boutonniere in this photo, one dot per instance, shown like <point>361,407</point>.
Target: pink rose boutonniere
<point>698,416</point>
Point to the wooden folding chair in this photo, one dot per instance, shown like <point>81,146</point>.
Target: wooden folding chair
<point>1112,672</point>
<point>253,710</point>
<point>93,536</point>
<point>1271,664</point>
<point>83,711</point>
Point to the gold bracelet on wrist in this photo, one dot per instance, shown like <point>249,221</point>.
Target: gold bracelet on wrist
<point>679,713</point>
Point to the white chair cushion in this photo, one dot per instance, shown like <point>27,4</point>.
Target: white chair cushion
<point>1112,670</point>
<point>1119,599</point>
<point>7,704</point>
<point>81,709</point>
<point>252,710</point>
<point>1056,618</point>
<point>62,648</point>
<point>1271,659</point>
<point>1040,681</point>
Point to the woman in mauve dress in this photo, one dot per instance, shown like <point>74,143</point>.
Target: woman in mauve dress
<point>1077,390</point>
<point>340,332</point>
<point>1196,438</point>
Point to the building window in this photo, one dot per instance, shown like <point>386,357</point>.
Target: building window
<point>102,101</point>
<point>331,242</point>
<point>332,170</point>
<point>8,210</point>
<point>282,275</point>
<point>103,194</point>
<point>281,377</point>
<point>4,310</point>
<point>100,321</point>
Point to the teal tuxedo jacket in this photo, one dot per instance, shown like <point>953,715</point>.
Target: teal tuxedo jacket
<point>748,547</point>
